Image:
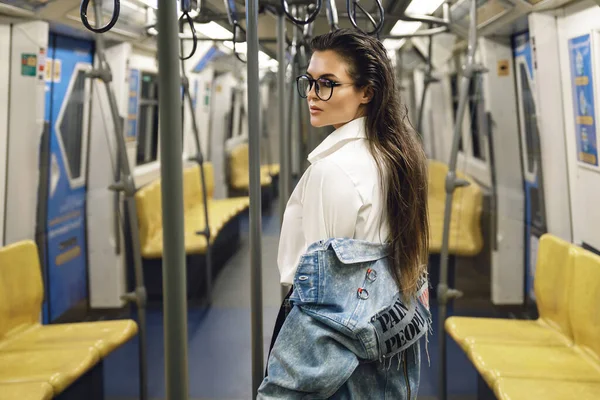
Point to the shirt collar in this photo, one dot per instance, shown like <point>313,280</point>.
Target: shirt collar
<point>352,130</point>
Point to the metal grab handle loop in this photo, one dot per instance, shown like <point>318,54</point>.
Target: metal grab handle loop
<point>113,20</point>
<point>352,16</point>
<point>194,36</point>
<point>308,20</point>
<point>232,16</point>
<point>236,26</point>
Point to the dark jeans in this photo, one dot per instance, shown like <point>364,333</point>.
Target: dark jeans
<point>283,312</point>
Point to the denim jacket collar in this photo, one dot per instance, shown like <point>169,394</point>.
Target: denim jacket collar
<point>353,251</point>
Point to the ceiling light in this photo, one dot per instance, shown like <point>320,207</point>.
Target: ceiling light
<point>214,31</point>
<point>423,7</point>
<point>420,7</point>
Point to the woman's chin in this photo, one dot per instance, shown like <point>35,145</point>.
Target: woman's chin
<point>316,121</point>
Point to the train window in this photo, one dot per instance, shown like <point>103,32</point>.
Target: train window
<point>475,97</point>
<point>147,138</point>
<point>472,113</point>
<point>72,125</point>
<point>530,123</point>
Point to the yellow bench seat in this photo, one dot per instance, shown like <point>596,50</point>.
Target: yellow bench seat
<point>104,336</point>
<point>31,353</point>
<point>544,389</point>
<point>567,288</point>
<point>59,367</point>
<point>467,331</point>
<point>466,238</point>
<point>239,174</point>
<point>560,363</point>
<point>219,213</point>
<point>272,169</point>
<point>26,391</point>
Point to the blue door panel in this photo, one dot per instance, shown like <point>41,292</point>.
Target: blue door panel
<point>66,266</point>
<point>535,218</point>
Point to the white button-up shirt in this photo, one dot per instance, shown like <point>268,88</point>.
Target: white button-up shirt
<point>339,196</point>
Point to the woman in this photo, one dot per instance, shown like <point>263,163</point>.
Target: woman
<point>354,238</point>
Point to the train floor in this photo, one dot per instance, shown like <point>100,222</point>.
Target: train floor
<point>219,350</point>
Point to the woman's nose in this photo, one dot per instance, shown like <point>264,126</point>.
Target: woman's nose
<point>312,93</point>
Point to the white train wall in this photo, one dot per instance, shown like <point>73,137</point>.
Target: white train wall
<point>546,171</point>
<point>493,94</point>
<point>575,23</point>
<point>134,78</point>
<point>58,154</point>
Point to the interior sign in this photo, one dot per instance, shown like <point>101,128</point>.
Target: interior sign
<point>28,64</point>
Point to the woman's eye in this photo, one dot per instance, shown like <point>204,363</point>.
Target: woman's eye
<point>327,83</point>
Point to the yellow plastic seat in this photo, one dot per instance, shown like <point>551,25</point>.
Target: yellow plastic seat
<point>31,352</point>
<point>539,362</point>
<point>577,363</point>
<point>59,367</point>
<point>465,237</point>
<point>272,169</point>
<point>553,328</point>
<point>26,391</point>
<point>220,211</point>
<point>469,331</point>
<point>544,389</point>
<point>20,307</point>
<point>104,336</point>
<point>239,174</point>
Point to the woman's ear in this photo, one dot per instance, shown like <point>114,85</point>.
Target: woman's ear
<point>367,95</point>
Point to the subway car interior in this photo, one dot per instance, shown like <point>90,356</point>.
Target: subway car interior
<point>165,138</point>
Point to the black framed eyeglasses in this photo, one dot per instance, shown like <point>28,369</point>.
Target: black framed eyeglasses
<point>323,86</point>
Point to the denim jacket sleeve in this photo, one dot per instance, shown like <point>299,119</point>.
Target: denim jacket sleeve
<point>312,368</point>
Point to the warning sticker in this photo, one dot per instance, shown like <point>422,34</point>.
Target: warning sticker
<point>28,64</point>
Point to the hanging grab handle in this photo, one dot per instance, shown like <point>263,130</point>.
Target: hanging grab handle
<point>310,17</point>
<point>232,16</point>
<point>237,26</point>
<point>190,21</point>
<point>113,20</point>
<point>352,16</point>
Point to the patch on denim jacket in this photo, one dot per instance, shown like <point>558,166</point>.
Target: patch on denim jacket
<point>398,327</point>
<point>423,292</point>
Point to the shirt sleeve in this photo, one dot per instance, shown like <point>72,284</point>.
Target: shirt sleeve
<point>331,203</point>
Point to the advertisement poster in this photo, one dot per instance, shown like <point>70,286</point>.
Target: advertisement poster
<point>582,86</point>
<point>132,105</point>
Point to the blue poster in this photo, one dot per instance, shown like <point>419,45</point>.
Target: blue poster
<point>582,81</point>
<point>212,54</point>
<point>65,231</point>
<point>132,104</point>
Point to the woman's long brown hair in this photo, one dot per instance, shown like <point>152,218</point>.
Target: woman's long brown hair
<point>398,152</point>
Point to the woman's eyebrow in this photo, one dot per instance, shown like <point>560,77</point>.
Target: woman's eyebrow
<point>328,76</point>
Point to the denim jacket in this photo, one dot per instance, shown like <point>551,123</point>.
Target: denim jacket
<point>348,335</point>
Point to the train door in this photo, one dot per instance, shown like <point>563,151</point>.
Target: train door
<point>535,215</point>
<point>64,163</point>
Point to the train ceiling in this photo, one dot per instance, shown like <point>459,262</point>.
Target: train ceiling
<point>495,17</point>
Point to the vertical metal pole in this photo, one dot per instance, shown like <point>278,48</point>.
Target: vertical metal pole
<point>125,183</point>
<point>255,194</point>
<point>174,273</point>
<point>284,172</point>
<point>428,79</point>
<point>199,159</point>
<point>284,140</point>
<point>444,294</point>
